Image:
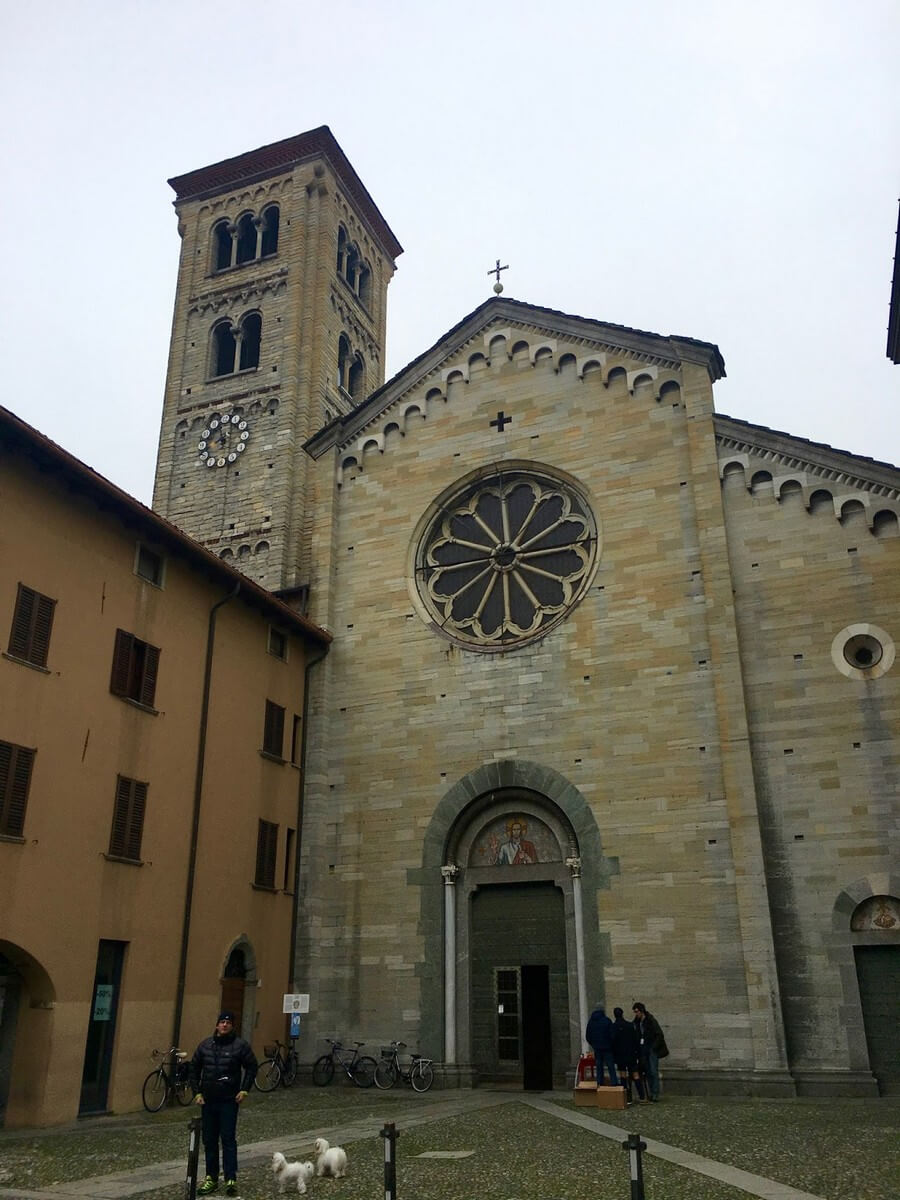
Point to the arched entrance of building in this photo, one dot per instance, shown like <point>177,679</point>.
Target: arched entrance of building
<point>238,986</point>
<point>27,997</point>
<point>520,945</point>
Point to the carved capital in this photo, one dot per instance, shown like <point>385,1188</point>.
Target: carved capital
<point>450,872</point>
<point>574,865</point>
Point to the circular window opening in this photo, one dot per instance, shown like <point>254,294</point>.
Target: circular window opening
<point>863,651</point>
<point>504,557</point>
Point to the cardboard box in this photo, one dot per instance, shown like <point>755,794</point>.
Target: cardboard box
<point>610,1097</point>
<point>585,1093</point>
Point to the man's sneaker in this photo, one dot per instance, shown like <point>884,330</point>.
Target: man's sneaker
<point>208,1186</point>
<point>231,1187</point>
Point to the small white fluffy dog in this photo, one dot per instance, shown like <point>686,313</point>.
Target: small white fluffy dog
<point>291,1172</point>
<point>330,1160</point>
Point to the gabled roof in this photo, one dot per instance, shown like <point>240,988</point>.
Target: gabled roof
<point>499,309</point>
<point>19,438</point>
<point>278,157</point>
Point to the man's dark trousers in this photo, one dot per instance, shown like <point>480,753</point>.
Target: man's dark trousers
<point>219,1119</point>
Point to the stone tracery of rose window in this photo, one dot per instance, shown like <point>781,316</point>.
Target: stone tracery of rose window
<point>506,558</point>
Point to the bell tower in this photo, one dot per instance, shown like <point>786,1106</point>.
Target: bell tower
<point>279,327</point>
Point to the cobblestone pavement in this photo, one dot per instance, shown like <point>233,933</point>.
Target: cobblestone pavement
<point>487,1144</point>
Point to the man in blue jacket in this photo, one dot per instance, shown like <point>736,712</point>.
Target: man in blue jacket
<point>222,1071</point>
<point>599,1036</point>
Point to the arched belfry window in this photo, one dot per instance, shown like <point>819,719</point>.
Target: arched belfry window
<point>504,556</point>
<point>251,337</point>
<point>341,249</point>
<point>356,377</point>
<point>365,285</point>
<point>344,355</point>
<point>270,221</point>
<point>246,239</point>
<point>222,246</point>
<point>222,349</point>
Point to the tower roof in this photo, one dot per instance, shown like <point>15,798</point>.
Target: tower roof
<point>277,157</point>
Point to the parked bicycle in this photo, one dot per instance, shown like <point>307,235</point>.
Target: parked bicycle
<point>279,1066</point>
<point>359,1069</point>
<point>389,1071</point>
<point>171,1079</point>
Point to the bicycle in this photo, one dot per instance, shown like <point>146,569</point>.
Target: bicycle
<point>359,1070</point>
<point>279,1066</point>
<point>388,1071</point>
<point>172,1078</point>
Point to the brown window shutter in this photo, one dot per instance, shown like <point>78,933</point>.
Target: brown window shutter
<point>15,777</point>
<point>119,832</point>
<point>151,670</point>
<point>266,852</point>
<point>20,633</point>
<point>136,825</point>
<point>121,666</point>
<point>43,624</point>
<point>273,734</point>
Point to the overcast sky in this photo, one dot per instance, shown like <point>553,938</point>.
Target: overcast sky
<point>725,171</point>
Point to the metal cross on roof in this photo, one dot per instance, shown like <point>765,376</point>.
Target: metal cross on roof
<point>495,270</point>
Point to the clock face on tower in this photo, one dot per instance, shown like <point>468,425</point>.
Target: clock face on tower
<point>223,440</point>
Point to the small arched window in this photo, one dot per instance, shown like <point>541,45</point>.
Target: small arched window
<point>352,266</point>
<point>365,285</point>
<point>341,249</point>
<point>270,221</point>
<point>222,244</point>
<point>343,361</point>
<point>357,376</point>
<point>251,336</point>
<point>246,239</point>
<point>222,349</point>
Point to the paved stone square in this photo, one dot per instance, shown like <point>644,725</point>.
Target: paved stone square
<point>489,1145</point>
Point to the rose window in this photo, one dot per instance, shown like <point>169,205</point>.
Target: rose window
<point>506,558</point>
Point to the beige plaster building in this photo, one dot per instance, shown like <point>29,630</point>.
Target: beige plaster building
<point>151,735</point>
<point>612,706</point>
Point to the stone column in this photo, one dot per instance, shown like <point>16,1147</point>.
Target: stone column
<point>574,865</point>
<point>449,872</point>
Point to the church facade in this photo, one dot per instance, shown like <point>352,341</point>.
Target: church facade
<point>611,708</point>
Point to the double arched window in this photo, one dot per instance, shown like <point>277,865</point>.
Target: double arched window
<point>351,369</point>
<point>245,240</point>
<point>235,347</point>
<point>352,267</point>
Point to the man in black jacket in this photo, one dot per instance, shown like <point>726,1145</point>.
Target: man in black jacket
<point>222,1071</point>
<point>625,1052</point>
<point>651,1046</point>
<point>598,1036</point>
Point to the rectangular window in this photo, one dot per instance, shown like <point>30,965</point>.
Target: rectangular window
<point>15,779</point>
<point>128,819</point>
<point>29,637</point>
<point>266,854</point>
<point>149,564</point>
<point>290,839</point>
<point>296,743</point>
<point>278,643</point>
<point>134,670</point>
<point>273,733</point>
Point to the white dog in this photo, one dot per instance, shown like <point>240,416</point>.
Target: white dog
<point>290,1172</point>
<point>330,1160</point>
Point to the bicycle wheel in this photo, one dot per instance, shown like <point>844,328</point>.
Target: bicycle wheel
<point>323,1070</point>
<point>421,1075</point>
<point>155,1090</point>
<point>289,1070</point>
<point>184,1092</point>
<point>268,1074</point>
<point>363,1071</point>
<point>386,1074</point>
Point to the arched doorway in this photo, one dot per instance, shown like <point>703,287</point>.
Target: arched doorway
<point>238,986</point>
<point>875,929</point>
<point>27,997</point>
<point>520,946</point>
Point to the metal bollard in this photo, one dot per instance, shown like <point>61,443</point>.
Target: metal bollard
<point>634,1146</point>
<point>390,1135</point>
<point>190,1182</point>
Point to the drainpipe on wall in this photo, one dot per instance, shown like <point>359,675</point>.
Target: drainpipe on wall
<point>195,823</point>
<point>301,795</point>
